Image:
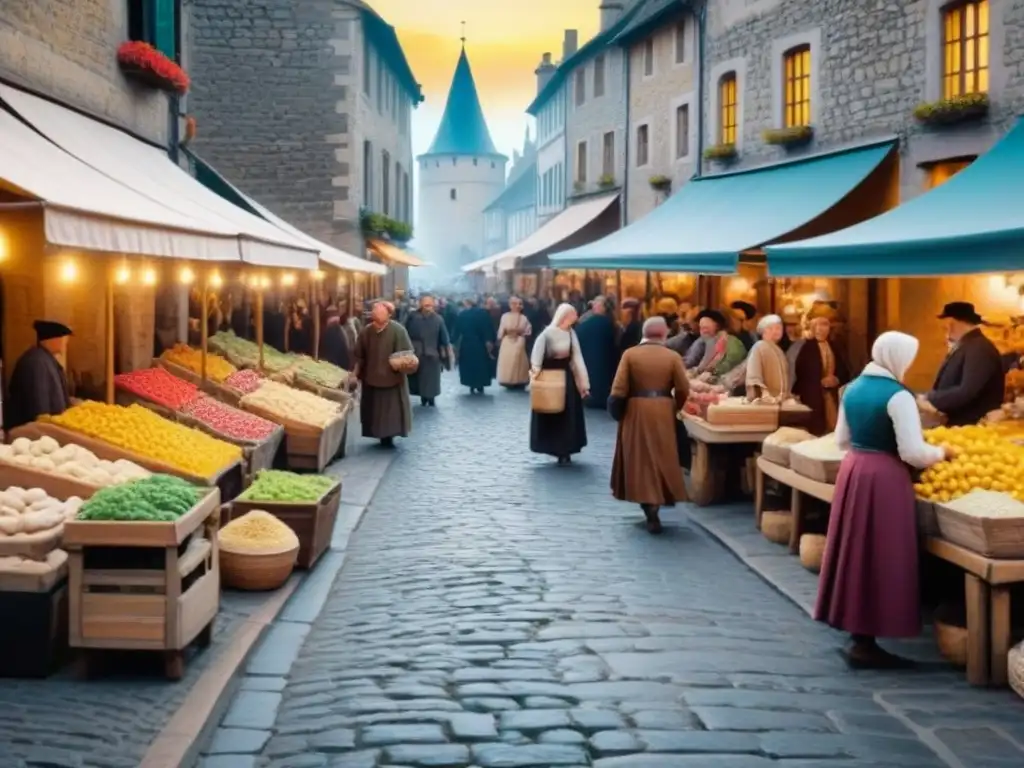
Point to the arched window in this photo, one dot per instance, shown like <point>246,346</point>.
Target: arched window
<point>727,108</point>
<point>796,84</point>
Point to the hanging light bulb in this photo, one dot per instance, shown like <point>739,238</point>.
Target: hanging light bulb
<point>186,276</point>
<point>319,274</point>
<point>149,276</point>
<point>264,282</point>
<point>287,279</point>
<point>123,275</point>
<point>215,280</point>
<point>69,272</point>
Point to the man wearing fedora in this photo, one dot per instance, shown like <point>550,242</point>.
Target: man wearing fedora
<point>970,381</point>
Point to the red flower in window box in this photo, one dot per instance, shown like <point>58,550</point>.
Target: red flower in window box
<point>144,63</point>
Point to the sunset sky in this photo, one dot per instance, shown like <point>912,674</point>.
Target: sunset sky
<point>504,43</point>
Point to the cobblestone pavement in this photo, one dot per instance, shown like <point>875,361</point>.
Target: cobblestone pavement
<point>495,610</point>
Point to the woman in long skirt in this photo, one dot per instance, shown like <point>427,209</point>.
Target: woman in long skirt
<point>561,434</point>
<point>513,330</point>
<point>869,574</point>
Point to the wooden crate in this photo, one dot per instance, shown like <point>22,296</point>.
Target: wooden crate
<point>819,470</point>
<point>308,447</point>
<point>255,456</point>
<point>339,396</point>
<point>14,581</point>
<point>35,637</point>
<point>998,537</point>
<point>177,370</point>
<point>313,522</point>
<point>145,586</point>
<point>58,486</point>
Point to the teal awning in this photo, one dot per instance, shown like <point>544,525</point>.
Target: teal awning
<point>972,224</point>
<point>706,225</point>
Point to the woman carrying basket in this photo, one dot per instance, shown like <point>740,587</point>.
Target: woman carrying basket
<point>559,383</point>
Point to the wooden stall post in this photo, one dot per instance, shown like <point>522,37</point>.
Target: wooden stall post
<point>259,323</point>
<point>204,328</point>
<point>315,303</point>
<point>109,341</point>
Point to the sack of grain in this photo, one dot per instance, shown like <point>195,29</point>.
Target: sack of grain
<point>775,447</point>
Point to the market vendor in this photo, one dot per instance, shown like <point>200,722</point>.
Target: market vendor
<point>744,317</point>
<point>767,373</point>
<point>39,385</point>
<point>819,370</point>
<point>970,382</point>
<point>717,351</point>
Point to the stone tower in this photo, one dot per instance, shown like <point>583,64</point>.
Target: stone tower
<point>458,176</point>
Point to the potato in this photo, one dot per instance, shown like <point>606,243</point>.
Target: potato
<point>24,459</point>
<point>43,463</point>
<point>47,444</point>
<point>86,458</point>
<point>99,477</point>
<point>47,503</point>
<point>22,446</point>
<point>32,495</point>
<point>10,525</point>
<point>6,452</point>
<point>6,511</point>
<point>35,449</point>
<point>43,520</point>
<point>63,454</point>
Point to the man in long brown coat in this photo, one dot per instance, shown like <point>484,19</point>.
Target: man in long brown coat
<point>650,388</point>
<point>384,405</point>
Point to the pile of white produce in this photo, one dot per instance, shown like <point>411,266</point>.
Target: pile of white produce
<point>32,512</point>
<point>982,503</point>
<point>293,404</point>
<point>74,461</point>
<point>26,565</point>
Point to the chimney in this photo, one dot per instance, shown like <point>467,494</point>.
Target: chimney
<point>611,11</point>
<point>544,71</point>
<point>570,43</point>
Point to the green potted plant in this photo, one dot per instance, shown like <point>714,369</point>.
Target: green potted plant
<point>793,136</point>
<point>606,181</point>
<point>957,109</point>
<point>398,231</point>
<point>722,153</point>
<point>660,182</point>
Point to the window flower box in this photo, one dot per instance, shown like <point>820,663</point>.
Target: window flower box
<point>606,181</point>
<point>721,153</point>
<point>660,183</point>
<point>795,136</point>
<point>384,227</point>
<point>144,64</point>
<point>958,109</point>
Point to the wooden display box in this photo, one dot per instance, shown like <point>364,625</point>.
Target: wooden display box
<point>60,487</point>
<point>313,522</point>
<point>819,470</point>
<point>339,396</point>
<point>997,537</point>
<point>34,639</point>
<point>145,586</point>
<point>308,447</point>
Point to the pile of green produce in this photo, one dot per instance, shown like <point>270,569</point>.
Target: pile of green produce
<point>276,485</point>
<point>160,498</point>
<point>321,373</point>
<point>246,354</point>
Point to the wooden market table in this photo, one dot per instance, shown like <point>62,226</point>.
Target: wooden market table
<point>987,584</point>
<point>707,476</point>
<point>799,487</point>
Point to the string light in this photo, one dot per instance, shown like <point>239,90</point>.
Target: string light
<point>215,280</point>
<point>187,276</point>
<point>287,280</point>
<point>319,274</point>
<point>3,246</point>
<point>264,282</point>
<point>123,275</point>
<point>149,277</point>
<point>69,272</point>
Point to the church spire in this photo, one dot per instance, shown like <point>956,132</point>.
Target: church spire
<point>463,129</point>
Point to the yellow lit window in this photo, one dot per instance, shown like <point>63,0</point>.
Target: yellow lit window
<point>797,84</point>
<point>940,173</point>
<point>727,109</point>
<point>965,49</point>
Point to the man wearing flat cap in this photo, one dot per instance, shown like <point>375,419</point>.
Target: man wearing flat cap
<point>970,382</point>
<point>38,384</point>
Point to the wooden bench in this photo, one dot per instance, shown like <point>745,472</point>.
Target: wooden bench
<point>987,586</point>
<point>707,470</point>
<point>798,485</point>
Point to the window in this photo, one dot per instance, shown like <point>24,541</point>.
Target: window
<point>648,57</point>
<point>451,193</point>
<point>940,173</point>
<point>581,162</point>
<point>965,49</point>
<point>406,200</point>
<point>796,65</point>
<point>368,175</point>
<point>385,182</point>
<point>643,145</point>
<point>474,161</point>
<point>154,22</point>
<point>380,84</point>
<point>399,211</point>
<point>608,154</point>
<point>682,131</point>
<point>599,75</point>
<point>367,67</point>
<point>681,46</point>
<point>581,85</point>
<point>727,107</point>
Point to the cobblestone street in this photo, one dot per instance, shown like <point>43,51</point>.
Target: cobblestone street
<point>495,610</point>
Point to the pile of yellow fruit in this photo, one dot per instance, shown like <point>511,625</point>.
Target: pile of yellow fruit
<point>217,368</point>
<point>984,460</point>
<point>142,432</point>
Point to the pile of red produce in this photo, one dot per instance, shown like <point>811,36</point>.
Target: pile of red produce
<point>158,386</point>
<point>230,422</point>
<point>245,381</point>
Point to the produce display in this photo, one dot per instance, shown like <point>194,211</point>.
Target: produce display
<point>789,436</point>
<point>321,373</point>
<point>245,353</point>
<point>25,512</point>
<point>74,461</point>
<point>984,460</point>
<point>981,503</point>
<point>733,411</point>
<point>140,431</point>
<point>821,448</point>
<point>257,532</point>
<point>160,498</point>
<point>228,421</point>
<point>296,405</point>
<point>217,368</point>
<point>245,381</point>
<point>15,564</point>
<point>158,386</point>
<point>277,485</point>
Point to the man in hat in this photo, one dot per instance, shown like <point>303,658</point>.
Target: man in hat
<point>334,346</point>
<point>970,381</point>
<point>745,317</point>
<point>38,384</point>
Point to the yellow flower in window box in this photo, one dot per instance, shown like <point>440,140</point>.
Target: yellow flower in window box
<point>793,136</point>
<point>660,183</point>
<point>721,152</point>
<point>956,109</point>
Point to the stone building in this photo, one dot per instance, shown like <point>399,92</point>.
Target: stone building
<point>459,175</point>
<point>661,48</point>
<point>512,215</point>
<point>307,108</point>
<point>548,109</point>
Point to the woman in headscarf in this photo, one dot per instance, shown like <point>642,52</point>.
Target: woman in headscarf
<point>869,574</point>
<point>767,373</point>
<point>513,331</point>
<point>561,434</point>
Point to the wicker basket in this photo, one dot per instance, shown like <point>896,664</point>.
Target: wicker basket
<point>989,536</point>
<point>1015,667</point>
<point>812,550</point>
<point>256,572</point>
<point>547,392</point>
<point>952,642</point>
<point>776,526</point>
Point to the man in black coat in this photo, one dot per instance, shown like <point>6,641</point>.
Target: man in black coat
<point>970,382</point>
<point>38,384</point>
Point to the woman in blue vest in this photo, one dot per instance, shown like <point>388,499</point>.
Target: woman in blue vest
<point>869,574</point>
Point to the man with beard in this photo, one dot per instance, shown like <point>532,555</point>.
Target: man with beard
<point>430,342</point>
<point>384,406</point>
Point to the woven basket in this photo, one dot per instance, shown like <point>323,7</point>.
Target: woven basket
<point>547,392</point>
<point>776,526</point>
<point>812,549</point>
<point>952,642</point>
<point>1015,666</point>
<point>256,572</point>
<point>404,362</point>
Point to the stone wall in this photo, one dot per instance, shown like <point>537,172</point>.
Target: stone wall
<point>67,49</point>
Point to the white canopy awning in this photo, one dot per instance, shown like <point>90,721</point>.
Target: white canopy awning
<point>549,236</point>
<point>148,171</point>
<point>87,210</point>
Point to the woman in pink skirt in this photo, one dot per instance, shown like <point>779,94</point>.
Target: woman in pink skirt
<point>869,574</point>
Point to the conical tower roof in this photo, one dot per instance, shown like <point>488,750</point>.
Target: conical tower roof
<point>463,129</point>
